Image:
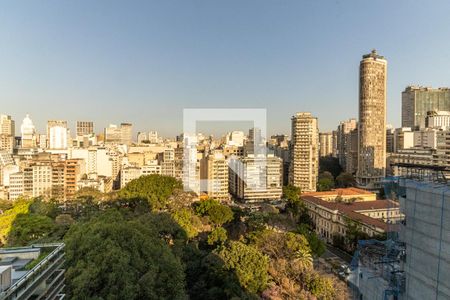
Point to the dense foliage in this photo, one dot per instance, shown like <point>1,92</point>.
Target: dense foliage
<point>151,240</point>
<point>154,188</point>
<point>111,257</point>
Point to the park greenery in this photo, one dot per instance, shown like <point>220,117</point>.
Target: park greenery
<point>151,240</point>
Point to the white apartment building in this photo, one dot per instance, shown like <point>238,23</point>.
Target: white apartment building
<point>57,134</point>
<point>256,178</point>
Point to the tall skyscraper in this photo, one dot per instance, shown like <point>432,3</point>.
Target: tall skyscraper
<point>304,168</point>
<point>85,128</point>
<point>28,132</point>
<point>326,144</point>
<point>57,134</point>
<point>418,101</point>
<point>7,133</point>
<point>372,121</point>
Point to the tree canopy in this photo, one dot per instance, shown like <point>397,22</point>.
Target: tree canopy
<point>155,189</point>
<point>110,257</point>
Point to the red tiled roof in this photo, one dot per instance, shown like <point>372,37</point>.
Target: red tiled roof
<point>340,191</point>
<point>350,210</point>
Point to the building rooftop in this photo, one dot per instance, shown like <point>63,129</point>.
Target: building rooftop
<point>351,210</point>
<point>351,191</point>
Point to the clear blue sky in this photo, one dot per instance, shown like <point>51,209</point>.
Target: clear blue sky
<point>144,61</point>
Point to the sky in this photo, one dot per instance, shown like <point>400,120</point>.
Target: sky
<point>145,61</point>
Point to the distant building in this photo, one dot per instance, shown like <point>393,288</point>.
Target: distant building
<point>372,121</point>
<point>418,101</point>
<point>7,133</point>
<point>119,135</point>
<point>304,150</point>
<point>438,120</point>
<point>403,138</point>
<point>343,140</point>
<point>256,178</point>
<point>390,139</point>
<point>325,144</point>
<point>126,133</point>
<point>85,128</point>
<point>214,176</point>
<point>142,137</point>
<point>57,134</point>
<point>45,280</point>
<point>28,132</point>
<point>350,194</point>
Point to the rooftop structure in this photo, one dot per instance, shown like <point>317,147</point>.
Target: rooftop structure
<point>32,272</point>
<point>350,193</point>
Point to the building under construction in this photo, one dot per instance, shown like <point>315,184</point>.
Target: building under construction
<point>415,264</point>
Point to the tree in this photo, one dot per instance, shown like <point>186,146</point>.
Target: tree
<point>317,246</point>
<point>345,180</point>
<point>20,206</point>
<point>249,265</point>
<point>188,221</point>
<point>218,214</point>
<point>330,164</point>
<point>28,228</point>
<point>217,236</point>
<point>155,189</point>
<point>110,257</point>
<point>325,182</point>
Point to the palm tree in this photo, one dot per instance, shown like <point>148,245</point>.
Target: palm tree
<point>303,258</point>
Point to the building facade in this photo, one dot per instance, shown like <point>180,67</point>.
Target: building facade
<point>325,144</point>
<point>372,121</point>
<point>418,101</point>
<point>304,148</point>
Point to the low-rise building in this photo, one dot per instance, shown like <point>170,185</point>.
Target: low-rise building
<point>333,218</point>
<point>44,279</point>
<point>351,194</point>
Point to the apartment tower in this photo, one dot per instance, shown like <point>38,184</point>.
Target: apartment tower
<point>372,121</point>
<point>304,167</point>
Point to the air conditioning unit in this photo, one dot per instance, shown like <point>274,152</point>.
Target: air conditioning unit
<point>5,277</point>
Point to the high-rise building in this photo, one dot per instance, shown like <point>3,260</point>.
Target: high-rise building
<point>85,128</point>
<point>325,144</point>
<point>113,134</point>
<point>372,121</point>
<point>7,133</point>
<point>126,133</point>
<point>57,134</point>
<point>74,171</point>
<point>343,140</point>
<point>28,132</point>
<point>418,101</point>
<point>304,167</point>
<point>214,176</point>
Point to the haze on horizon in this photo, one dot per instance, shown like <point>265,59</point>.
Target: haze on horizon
<point>144,62</point>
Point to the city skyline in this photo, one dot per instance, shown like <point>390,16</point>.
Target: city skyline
<point>284,59</point>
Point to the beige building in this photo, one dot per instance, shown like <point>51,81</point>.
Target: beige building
<point>325,144</point>
<point>255,179</point>
<point>214,176</point>
<point>372,121</point>
<point>350,194</point>
<point>343,140</point>
<point>304,163</point>
<point>372,217</point>
<point>7,133</point>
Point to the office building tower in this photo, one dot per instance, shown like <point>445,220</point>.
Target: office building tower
<point>85,128</point>
<point>153,137</point>
<point>28,132</point>
<point>418,101</point>
<point>372,121</point>
<point>325,144</point>
<point>57,134</point>
<point>304,167</point>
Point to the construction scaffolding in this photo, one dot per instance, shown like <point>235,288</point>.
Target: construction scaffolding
<point>415,263</point>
